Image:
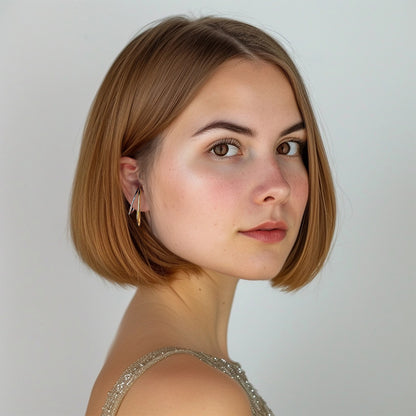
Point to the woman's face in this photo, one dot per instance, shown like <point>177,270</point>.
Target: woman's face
<point>229,188</point>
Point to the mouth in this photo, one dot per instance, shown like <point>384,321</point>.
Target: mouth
<point>269,232</point>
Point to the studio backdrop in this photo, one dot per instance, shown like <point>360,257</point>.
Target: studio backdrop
<point>345,345</point>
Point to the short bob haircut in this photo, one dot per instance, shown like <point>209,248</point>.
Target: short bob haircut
<point>150,83</point>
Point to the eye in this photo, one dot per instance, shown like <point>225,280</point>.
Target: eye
<point>225,148</point>
<point>290,148</point>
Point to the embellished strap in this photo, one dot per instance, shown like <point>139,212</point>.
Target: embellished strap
<point>130,375</point>
<point>134,371</point>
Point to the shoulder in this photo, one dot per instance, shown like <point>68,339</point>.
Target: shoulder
<point>183,385</point>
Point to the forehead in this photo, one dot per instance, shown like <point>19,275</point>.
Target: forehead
<point>249,91</point>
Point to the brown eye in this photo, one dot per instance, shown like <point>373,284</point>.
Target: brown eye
<point>290,148</point>
<point>225,149</point>
<point>220,149</point>
<point>283,149</point>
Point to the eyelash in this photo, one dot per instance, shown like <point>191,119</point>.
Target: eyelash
<point>227,141</point>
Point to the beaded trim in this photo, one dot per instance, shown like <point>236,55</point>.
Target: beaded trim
<point>134,371</point>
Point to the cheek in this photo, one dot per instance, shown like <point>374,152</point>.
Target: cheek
<point>203,181</point>
<point>187,197</point>
<point>300,190</point>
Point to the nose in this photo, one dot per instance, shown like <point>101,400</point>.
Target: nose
<point>272,186</point>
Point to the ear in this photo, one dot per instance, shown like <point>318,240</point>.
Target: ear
<point>129,180</point>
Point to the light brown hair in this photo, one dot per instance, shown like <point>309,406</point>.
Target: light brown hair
<point>150,83</point>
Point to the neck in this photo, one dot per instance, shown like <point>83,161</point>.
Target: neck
<point>192,312</point>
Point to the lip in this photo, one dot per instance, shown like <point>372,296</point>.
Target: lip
<point>268,232</point>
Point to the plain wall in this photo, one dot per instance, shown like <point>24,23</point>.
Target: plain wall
<point>345,345</point>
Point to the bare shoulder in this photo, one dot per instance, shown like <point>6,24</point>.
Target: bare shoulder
<point>182,385</point>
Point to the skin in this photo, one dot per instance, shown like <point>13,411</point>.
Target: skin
<point>201,197</point>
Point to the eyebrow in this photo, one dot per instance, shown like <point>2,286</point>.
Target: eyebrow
<point>292,129</point>
<point>226,125</point>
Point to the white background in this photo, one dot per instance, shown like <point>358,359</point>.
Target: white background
<point>345,345</point>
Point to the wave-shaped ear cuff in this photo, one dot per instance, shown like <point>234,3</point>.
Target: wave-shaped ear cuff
<point>131,209</point>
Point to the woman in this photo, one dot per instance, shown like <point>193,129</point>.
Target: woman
<point>201,164</point>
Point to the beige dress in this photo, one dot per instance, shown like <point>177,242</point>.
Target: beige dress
<point>132,373</point>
